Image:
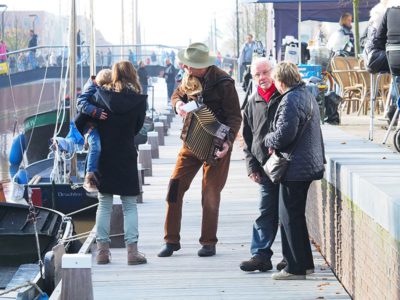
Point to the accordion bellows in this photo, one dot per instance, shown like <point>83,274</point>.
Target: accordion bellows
<point>205,135</point>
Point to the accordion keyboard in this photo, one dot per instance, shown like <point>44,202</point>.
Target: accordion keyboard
<point>205,135</point>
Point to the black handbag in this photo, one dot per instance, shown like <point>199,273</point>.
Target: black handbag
<point>277,164</point>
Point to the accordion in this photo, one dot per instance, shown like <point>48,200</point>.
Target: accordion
<point>205,134</point>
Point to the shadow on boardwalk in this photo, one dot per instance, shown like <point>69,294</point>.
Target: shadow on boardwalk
<point>187,276</point>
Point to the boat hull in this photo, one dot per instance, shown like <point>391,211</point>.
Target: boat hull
<point>38,129</point>
<point>17,235</point>
<point>63,198</point>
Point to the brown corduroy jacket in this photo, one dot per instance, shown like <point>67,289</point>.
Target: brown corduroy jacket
<point>219,94</point>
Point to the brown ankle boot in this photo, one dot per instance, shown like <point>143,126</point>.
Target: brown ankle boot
<point>134,257</point>
<point>103,253</point>
<point>90,183</point>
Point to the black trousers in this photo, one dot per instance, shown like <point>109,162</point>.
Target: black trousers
<point>296,246</point>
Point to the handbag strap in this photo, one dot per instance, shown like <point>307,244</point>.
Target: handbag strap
<point>308,118</point>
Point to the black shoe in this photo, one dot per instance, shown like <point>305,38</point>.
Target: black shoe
<point>256,263</point>
<point>206,250</point>
<point>281,265</point>
<point>168,249</point>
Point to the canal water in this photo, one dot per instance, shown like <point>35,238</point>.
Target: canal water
<point>11,124</point>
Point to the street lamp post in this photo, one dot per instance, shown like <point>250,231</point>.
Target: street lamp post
<point>2,19</point>
<point>34,16</point>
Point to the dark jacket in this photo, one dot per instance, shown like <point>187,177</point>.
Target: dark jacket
<point>219,94</point>
<point>126,111</point>
<point>375,56</point>
<point>33,42</point>
<point>389,33</point>
<point>307,160</point>
<point>170,73</point>
<point>258,117</point>
<point>143,76</point>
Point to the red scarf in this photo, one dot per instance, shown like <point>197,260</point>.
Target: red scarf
<point>266,95</point>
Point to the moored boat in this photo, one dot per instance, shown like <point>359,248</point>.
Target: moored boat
<point>20,250</point>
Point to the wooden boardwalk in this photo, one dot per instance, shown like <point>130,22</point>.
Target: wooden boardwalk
<point>187,276</point>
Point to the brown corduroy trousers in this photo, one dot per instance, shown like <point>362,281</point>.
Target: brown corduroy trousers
<point>214,179</point>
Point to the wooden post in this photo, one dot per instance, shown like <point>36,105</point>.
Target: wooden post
<point>159,127</point>
<point>77,277</point>
<point>145,159</point>
<point>140,177</point>
<point>117,224</point>
<point>164,119</point>
<point>2,195</point>
<point>152,140</point>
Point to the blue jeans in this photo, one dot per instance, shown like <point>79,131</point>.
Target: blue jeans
<point>170,89</point>
<point>103,217</point>
<point>32,59</point>
<point>265,226</point>
<point>94,150</point>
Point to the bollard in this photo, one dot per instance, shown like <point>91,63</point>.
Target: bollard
<point>169,116</point>
<point>165,122</point>
<point>117,225</point>
<point>140,177</point>
<point>76,277</point>
<point>159,127</point>
<point>2,194</point>
<point>145,159</point>
<point>152,140</point>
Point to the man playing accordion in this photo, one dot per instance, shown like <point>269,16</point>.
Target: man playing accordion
<point>220,98</point>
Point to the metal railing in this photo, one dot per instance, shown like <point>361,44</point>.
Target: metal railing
<point>56,56</point>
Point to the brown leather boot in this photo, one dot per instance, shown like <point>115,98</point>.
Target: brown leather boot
<point>103,253</point>
<point>90,183</point>
<point>134,256</point>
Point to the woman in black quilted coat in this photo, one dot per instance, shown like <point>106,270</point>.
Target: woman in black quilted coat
<point>307,164</point>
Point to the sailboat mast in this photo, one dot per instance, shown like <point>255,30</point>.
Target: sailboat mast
<point>92,42</point>
<point>72,60</point>
<point>72,72</point>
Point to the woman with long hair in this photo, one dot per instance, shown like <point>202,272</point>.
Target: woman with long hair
<point>118,174</point>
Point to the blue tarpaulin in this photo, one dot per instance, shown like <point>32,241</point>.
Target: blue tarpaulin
<point>287,15</point>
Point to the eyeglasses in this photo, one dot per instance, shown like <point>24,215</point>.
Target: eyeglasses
<point>264,73</point>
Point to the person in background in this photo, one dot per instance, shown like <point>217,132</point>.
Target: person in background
<point>109,57</point>
<point>246,55</point>
<point>31,44</point>
<point>169,75</point>
<point>180,74</point>
<point>3,51</point>
<point>388,35</point>
<point>153,58</point>
<point>218,60</point>
<point>341,42</point>
<point>52,59</point>
<point>132,57</point>
<point>296,129</point>
<point>172,57</point>
<point>220,96</point>
<point>258,117</point>
<point>143,77</point>
<point>78,45</point>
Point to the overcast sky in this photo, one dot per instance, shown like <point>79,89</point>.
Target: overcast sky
<point>170,22</point>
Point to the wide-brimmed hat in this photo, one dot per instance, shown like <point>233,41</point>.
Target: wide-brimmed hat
<point>197,55</point>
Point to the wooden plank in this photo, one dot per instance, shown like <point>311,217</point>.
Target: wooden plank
<point>187,276</point>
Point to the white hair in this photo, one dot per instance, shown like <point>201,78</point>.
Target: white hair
<point>392,3</point>
<point>259,61</point>
<point>376,14</point>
